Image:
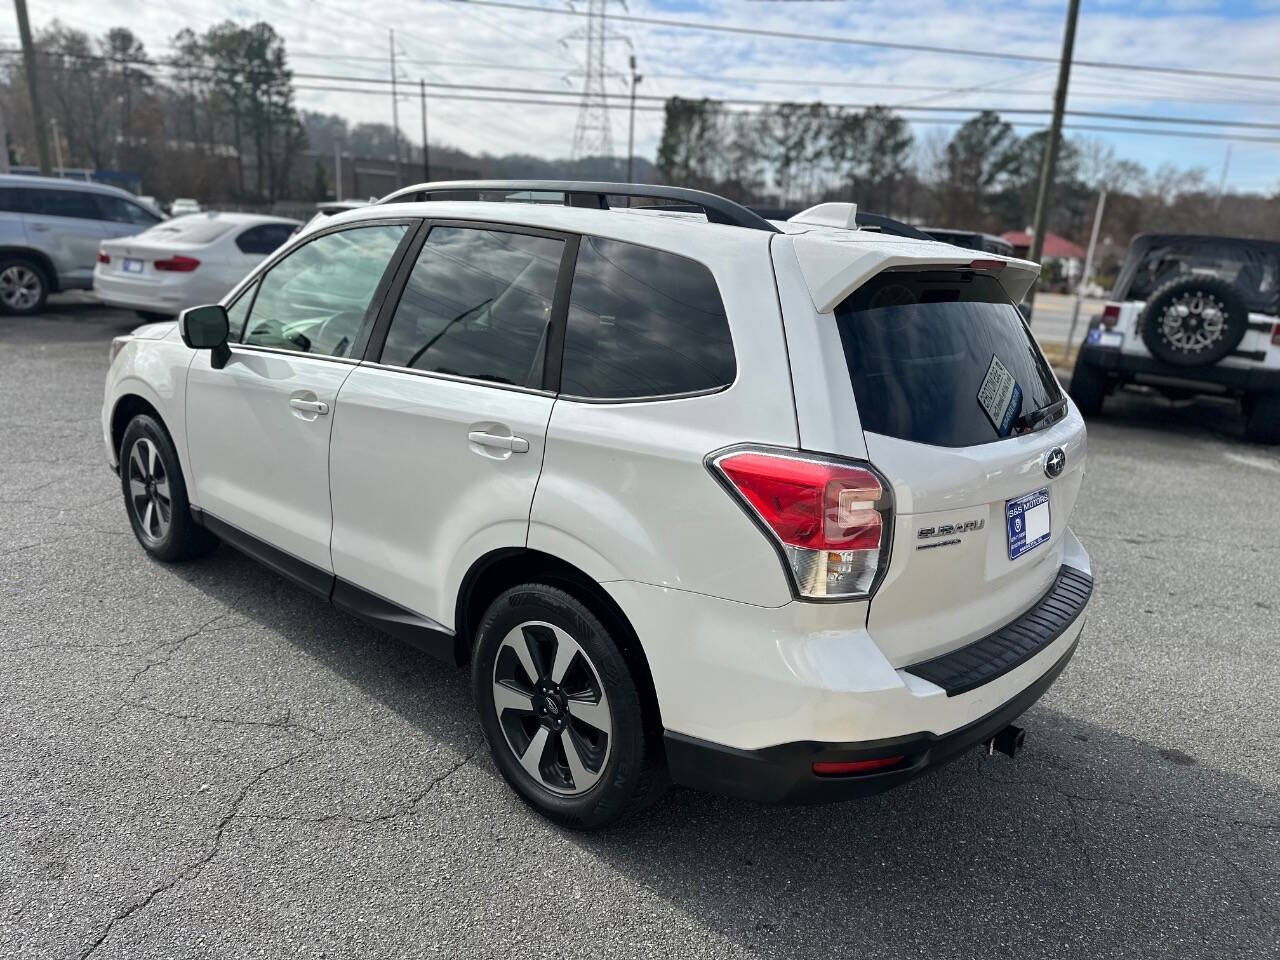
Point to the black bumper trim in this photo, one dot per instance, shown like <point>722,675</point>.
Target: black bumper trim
<point>1108,358</point>
<point>1015,643</point>
<point>784,773</point>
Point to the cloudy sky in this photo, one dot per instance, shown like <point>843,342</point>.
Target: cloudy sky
<point>446,41</point>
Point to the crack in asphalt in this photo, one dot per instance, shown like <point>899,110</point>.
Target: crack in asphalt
<point>192,870</point>
<point>404,809</point>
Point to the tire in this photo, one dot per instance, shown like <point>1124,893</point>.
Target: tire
<point>24,286</point>
<point>1262,418</point>
<point>1194,321</point>
<point>155,494</point>
<point>583,698</point>
<point>1088,387</point>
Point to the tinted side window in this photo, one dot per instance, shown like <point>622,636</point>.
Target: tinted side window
<point>120,210</point>
<point>477,304</point>
<point>238,313</point>
<point>643,323</point>
<point>65,203</point>
<point>264,239</point>
<point>316,298</point>
<point>15,200</point>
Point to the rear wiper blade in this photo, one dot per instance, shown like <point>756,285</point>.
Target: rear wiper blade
<point>1029,421</point>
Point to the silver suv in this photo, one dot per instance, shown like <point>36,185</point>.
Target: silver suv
<point>50,230</point>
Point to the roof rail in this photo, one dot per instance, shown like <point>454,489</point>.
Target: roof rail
<point>588,193</point>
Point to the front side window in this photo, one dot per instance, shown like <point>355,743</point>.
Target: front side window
<point>943,358</point>
<point>643,323</point>
<point>238,313</point>
<point>315,299</point>
<point>478,305</point>
<point>119,210</point>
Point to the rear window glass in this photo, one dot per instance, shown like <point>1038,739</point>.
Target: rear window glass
<point>1252,268</point>
<point>643,323</point>
<point>193,229</point>
<point>941,357</point>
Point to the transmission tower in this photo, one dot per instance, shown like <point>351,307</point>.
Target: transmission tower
<point>593,135</point>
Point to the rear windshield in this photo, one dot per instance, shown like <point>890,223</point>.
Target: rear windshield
<point>1253,268</point>
<point>942,357</point>
<point>193,229</point>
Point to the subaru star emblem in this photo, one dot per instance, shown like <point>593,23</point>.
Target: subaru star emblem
<point>1054,461</point>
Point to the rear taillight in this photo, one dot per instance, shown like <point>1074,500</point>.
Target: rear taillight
<point>1275,335</point>
<point>832,519</point>
<point>1110,315</point>
<point>178,264</point>
<point>104,257</point>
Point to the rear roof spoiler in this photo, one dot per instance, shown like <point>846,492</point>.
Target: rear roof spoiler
<point>833,269</point>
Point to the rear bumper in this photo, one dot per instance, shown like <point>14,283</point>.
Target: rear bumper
<point>1260,379</point>
<point>784,773</point>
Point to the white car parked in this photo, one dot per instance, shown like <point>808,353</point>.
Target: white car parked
<point>773,509</point>
<point>186,261</point>
<point>183,206</point>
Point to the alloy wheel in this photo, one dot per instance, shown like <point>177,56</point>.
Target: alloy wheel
<point>20,287</point>
<point>552,708</point>
<point>1194,322</point>
<point>149,496</point>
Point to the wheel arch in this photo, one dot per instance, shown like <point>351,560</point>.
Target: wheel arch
<point>39,259</point>
<point>128,406</point>
<point>500,569</point>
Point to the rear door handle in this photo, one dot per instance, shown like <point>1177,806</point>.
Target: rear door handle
<point>493,440</point>
<point>318,407</point>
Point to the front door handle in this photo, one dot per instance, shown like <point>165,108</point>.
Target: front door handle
<point>514,444</point>
<point>318,407</point>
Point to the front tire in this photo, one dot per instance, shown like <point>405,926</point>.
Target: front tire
<point>24,287</point>
<point>561,710</point>
<point>155,494</point>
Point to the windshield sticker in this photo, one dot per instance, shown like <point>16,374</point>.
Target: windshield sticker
<point>1000,397</point>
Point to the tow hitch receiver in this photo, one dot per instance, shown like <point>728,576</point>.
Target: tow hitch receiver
<point>1008,741</point>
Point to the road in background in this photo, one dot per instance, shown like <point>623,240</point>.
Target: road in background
<point>1052,320</point>
<point>204,760</point>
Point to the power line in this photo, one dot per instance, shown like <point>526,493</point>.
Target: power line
<point>881,44</point>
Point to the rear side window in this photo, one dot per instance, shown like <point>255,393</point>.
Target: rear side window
<point>79,204</point>
<point>941,357</point>
<point>478,305</point>
<point>15,200</point>
<point>643,323</point>
<point>266,238</point>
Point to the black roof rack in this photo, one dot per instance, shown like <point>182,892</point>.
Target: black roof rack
<point>593,194</point>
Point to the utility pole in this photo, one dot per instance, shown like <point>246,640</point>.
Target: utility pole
<point>57,144</point>
<point>1222,184</point>
<point>337,170</point>
<point>395,107</point>
<point>4,142</point>
<point>426,148</point>
<point>631,130</point>
<point>1049,166</point>
<point>29,62</point>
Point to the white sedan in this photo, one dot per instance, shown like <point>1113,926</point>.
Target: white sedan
<point>185,262</point>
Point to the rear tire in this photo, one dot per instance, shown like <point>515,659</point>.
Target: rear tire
<point>1262,418</point>
<point>24,287</point>
<point>561,711</point>
<point>155,494</point>
<point>1088,387</point>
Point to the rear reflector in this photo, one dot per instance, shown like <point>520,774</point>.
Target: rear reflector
<point>1111,315</point>
<point>104,257</point>
<point>844,768</point>
<point>987,265</point>
<point>178,264</point>
<point>828,516</point>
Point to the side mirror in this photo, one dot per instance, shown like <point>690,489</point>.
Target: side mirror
<point>207,328</point>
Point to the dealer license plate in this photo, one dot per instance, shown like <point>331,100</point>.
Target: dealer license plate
<point>1028,520</point>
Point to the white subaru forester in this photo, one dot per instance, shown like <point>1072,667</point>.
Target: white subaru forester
<point>775,509</point>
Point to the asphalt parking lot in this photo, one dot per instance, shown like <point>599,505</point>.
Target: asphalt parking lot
<point>206,761</point>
